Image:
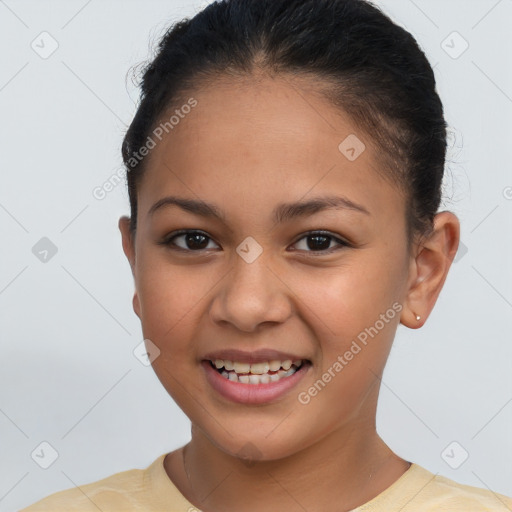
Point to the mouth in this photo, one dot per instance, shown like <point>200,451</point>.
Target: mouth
<point>257,378</point>
<point>263,372</point>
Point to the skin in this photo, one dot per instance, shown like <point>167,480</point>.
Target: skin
<point>247,147</point>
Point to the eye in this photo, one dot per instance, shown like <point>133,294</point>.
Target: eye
<point>191,240</point>
<point>198,241</point>
<point>320,241</point>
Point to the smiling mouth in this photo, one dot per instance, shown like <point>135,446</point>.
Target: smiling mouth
<point>263,372</point>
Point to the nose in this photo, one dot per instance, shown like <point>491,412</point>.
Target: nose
<point>251,294</point>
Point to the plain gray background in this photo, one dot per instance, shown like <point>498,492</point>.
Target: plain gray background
<point>68,375</point>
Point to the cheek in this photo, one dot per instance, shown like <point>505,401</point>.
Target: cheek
<point>169,292</point>
<point>344,300</point>
<point>354,311</point>
<point>170,298</point>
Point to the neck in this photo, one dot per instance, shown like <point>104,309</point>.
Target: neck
<point>338,473</point>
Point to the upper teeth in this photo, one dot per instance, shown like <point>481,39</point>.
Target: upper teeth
<point>256,368</point>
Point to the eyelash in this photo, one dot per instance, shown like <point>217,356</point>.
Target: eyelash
<point>168,241</point>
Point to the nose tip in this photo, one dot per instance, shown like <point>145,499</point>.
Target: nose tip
<point>251,295</point>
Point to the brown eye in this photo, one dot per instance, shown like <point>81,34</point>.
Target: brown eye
<point>319,241</point>
<point>198,241</point>
<point>189,240</point>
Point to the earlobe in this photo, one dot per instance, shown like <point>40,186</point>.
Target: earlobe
<point>429,269</point>
<point>411,319</point>
<point>136,304</point>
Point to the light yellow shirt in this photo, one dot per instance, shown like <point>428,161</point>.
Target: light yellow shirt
<point>151,490</point>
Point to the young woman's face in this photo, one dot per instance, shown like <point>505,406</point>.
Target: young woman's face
<point>255,285</point>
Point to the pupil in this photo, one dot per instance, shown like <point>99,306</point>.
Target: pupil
<point>317,238</point>
<point>192,237</point>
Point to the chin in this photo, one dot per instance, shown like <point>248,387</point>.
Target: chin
<point>259,445</point>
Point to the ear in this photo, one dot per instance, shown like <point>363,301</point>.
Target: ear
<point>429,268</point>
<point>129,251</point>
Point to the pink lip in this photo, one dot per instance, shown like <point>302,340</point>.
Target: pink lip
<point>256,356</point>
<point>252,394</point>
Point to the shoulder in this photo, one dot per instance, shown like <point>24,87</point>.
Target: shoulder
<point>127,490</point>
<point>443,494</point>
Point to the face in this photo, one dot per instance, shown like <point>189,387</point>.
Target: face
<point>255,286</point>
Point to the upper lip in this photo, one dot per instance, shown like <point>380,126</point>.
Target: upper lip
<point>255,356</point>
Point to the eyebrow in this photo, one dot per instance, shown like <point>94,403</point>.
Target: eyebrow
<point>282,213</point>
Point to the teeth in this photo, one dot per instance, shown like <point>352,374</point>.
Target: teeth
<point>259,368</point>
<point>256,373</point>
<point>254,379</point>
<point>264,379</point>
<point>241,367</point>
<point>256,368</point>
<point>274,365</point>
<point>286,365</point>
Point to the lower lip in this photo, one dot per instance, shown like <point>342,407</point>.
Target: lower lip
<point>252,393</point>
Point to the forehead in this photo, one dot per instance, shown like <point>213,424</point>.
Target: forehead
<point>271,137</point>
